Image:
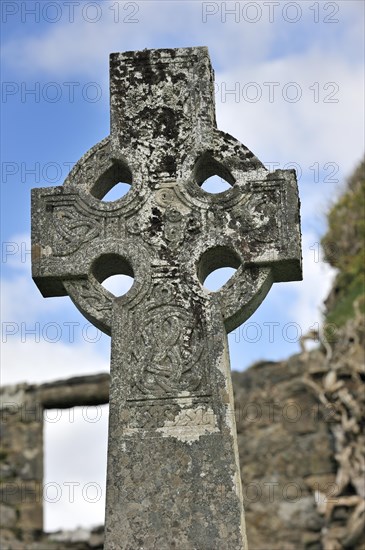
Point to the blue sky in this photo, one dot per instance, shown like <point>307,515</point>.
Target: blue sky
<point>297,72</point>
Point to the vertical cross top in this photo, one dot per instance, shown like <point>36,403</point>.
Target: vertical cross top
<point>171,401</point>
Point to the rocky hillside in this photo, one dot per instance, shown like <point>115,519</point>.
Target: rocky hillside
<point>344,247</point>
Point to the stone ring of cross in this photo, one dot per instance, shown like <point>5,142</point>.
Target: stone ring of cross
<point>249,227</point>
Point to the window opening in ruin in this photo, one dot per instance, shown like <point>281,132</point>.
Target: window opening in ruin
<point>75,456</point>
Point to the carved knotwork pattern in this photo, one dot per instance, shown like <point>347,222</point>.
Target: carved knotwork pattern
<point>167,354</point>
<point>72,230</point>
<point>167,350</point>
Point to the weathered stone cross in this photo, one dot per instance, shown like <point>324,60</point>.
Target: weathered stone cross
<point>173,472</point>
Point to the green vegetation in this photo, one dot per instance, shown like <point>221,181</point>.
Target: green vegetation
<point>343,246</point>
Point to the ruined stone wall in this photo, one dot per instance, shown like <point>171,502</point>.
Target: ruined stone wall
<point>301,440</point>
<point>21,466</point>
<point>21,457</point>
<point>300,436</point>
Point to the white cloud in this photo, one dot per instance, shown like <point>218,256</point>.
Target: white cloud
<point>305,131</point>
<point>15,253</point>
<point>41,361</point>
<point>44,339</point>
<point>82,47</point>
<point>306,304</point>
<point>22,301</point>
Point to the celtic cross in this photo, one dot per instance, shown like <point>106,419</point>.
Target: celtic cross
<point>173,476</point>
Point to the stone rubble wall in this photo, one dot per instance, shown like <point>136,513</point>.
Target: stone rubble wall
<point>21,454</point>
<point>300,437</point>
<point>301,441</point>
<point>21,466</point>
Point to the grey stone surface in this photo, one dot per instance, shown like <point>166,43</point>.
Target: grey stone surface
<point>173,472</point>
<point>21,461</point>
